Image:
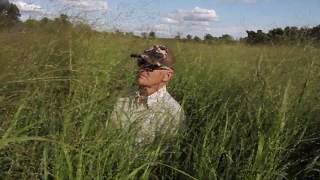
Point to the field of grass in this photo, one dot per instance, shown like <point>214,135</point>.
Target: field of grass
<point>252,111</point>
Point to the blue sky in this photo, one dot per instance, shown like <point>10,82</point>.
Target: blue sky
<point>168,17</point>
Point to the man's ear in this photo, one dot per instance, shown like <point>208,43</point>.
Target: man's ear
<point>168,76</point>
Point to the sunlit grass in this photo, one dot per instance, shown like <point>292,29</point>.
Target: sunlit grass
<point>248,108</point>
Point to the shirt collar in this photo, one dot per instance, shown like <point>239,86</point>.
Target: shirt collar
<point>156,96</point>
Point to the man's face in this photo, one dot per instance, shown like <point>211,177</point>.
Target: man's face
<point>149,78</point>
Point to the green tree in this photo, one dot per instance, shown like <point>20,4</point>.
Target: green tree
<point>258,37</point>
<point>291,33</point>
<point>31,22</point>
<point>315,33</point>
<point>226,37</point>
<point>13,12</point>
<point>152,34</point>
<point>196,38</point>
<point>44,20</point>
<point>63,19</point>
<point>130,34</point>
<point>189,37</point>
<point>9,14</point>
<point>276,35</point>
<point>208,37</point>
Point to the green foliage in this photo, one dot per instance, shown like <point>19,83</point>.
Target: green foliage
<point>189,37</point>
<point>208,37</point>
<point>226,38</point>
<point>13,12</point>
<point>257,37</point>
<point>288,35</point>
<point>252,112</point>
<point>63,19</point>
<point>9,14</point>
<point>196,38</point>
<point>31,23</point>
<point>152,34</point>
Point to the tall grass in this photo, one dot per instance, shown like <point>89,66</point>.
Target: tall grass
<point>252,111</point>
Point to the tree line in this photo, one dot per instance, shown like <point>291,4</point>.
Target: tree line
<point>276,36</point>
<point>10,14</point>
<point>287,35</point>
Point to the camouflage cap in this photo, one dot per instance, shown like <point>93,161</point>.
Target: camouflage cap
<point>158,55</point>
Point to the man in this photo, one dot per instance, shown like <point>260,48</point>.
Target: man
<point>151,113</point>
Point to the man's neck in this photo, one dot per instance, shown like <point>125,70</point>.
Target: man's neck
<point>147,91</point>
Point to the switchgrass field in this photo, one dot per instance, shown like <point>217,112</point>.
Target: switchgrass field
<point>252,112</point>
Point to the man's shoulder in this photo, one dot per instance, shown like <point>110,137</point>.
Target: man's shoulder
<point>171,103</point>
<point>174,108</point>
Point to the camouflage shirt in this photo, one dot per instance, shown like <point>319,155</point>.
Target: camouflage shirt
<point>160,115</point>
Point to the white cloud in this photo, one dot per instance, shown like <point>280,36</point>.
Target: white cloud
<point>170,20</point>
<point>248,1</point>
<point>26,7</point>
<point>199,23</point>
<point>199,16</point>
<point>87,5</point>
<point>186,21</point>
<point>244,1</point>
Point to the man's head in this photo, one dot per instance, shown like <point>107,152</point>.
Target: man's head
<point>155,66</point>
